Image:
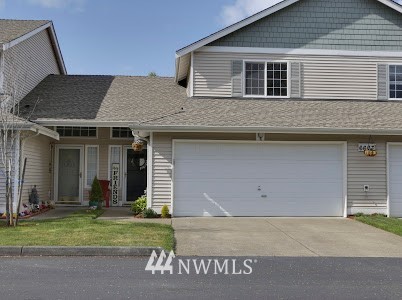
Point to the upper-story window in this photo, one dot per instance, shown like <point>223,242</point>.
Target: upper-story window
<point>68,131</point>
<point>121,132</point>
<point>395,81</point>
<point>266,79</point>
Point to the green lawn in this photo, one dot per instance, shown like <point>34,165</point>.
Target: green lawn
<point>82,229</point>
<point>388,224</point>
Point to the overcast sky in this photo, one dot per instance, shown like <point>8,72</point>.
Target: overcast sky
<point>130,37</point>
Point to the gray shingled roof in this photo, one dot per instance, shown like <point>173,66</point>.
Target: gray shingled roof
<point>159,103</point>
<point>104,98</point>
<point>329,114</point>
<point>13,29</point>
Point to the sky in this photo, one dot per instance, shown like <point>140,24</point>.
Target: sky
<point>130,37</point>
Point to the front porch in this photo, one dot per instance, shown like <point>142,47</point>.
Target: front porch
<point>81,154</point>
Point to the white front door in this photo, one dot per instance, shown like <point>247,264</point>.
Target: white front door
<point>395,179</point>
<point>135,174</point>
<point>68,174</point>
<point>258,179</point>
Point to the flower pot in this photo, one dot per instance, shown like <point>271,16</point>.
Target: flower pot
<point>93,203</point>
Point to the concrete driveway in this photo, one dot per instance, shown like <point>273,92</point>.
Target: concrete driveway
<point>283,237</point>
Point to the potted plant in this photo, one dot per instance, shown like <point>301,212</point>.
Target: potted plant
<point>96,195</point>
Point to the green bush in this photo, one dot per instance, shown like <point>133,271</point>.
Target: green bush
<point>165,211</point>
<point>149,213</point>
<point>139,205</point>
<point>96,194</point>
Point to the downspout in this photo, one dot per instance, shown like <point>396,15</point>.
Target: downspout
<point>1,71</point>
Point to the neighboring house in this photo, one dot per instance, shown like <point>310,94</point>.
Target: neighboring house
<point>29,52</point>
<point>267,117</point>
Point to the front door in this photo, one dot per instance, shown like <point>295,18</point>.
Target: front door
<point>136,174</point>
<point>69,174</point>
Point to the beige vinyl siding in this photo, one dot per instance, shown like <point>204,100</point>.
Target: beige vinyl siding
<point>3,180</point>
<point>322,77</point>
<point>339,80</point>
<point>38,169</point>
<point>212,76</point>
<point>103,141</point>
<point>361,170</point>
<point>28,63</point>
<point>370,171</point>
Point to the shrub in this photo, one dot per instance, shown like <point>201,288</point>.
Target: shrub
<point>165,211</point>
<point>139,205</point>
<point>96,194</point>
<point>149,213</point>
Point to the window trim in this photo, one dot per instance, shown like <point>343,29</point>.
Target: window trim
<point>86,164</point>
<point>389,83</point>
<point>265,61</point>
<point>118,138</point>
<point>78,137</point>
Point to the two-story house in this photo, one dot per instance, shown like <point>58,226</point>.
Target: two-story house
<point>294,111</point>
<point>29,52</point>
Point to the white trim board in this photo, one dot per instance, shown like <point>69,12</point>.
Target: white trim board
<point>268,130</point>
<point>290,51</point>
<point>258,16</point>
<point>150,170</point>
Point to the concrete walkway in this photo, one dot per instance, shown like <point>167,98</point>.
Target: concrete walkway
<point>57,213</point>
<point>283,237</point>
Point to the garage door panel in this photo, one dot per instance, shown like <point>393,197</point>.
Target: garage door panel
<point>210,205</point>
<point>395,180</point>
<point>277,186</point>
<point>266,169</point>
<point>221,179</point>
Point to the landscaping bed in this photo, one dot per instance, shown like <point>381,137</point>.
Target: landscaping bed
<point>393,225</point>
<point>83,229</point>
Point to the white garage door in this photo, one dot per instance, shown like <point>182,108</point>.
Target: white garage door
<point>258,179</point>
<point>395,180</point>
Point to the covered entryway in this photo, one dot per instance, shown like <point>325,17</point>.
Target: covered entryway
<point>135,173</point>
<point>227,178</point>
<point>395,179</point>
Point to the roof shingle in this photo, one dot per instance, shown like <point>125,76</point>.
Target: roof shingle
<point>159,102</point>
<point>13,29</point>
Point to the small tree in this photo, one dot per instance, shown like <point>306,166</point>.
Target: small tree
<point>96,194</point>
<point>12,124</point>
<point>152,74</point>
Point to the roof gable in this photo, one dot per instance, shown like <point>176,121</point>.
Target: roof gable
<point>269,11</point>
<point>13,32</point>
<point>358,25</point>
<point>13,29</point>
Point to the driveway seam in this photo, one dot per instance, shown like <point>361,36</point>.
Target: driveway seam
<point>292,238</point>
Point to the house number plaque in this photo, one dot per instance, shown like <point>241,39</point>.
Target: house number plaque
<point>115,184</point>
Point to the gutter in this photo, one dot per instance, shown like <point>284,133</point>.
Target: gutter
<point>45,131</point>
<point>252,129</point>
